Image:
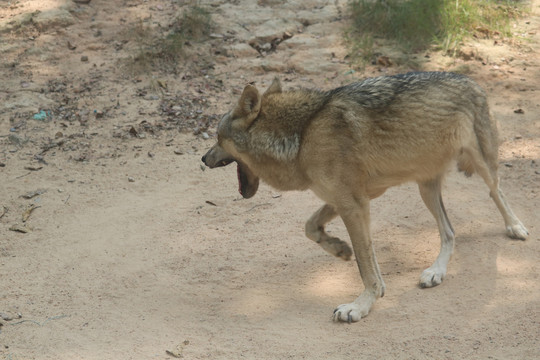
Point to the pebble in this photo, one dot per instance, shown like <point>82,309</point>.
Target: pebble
<point>151,97</point>
<point>84,58</point>
<point>131,179</point>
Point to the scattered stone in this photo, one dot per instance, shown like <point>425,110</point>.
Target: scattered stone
<point>84,58</point>
<point>32,194</point>
<point>178,352</point>
<point>33,168</point>
<point>178,152</point>
<point>242,50</point>
<point>6,317</point>
<point>20,228</point>
<point>519,111</point>
<point>131,179</point>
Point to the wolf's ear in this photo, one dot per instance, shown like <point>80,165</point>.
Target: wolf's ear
<point>249,106</point>
<point>275,87</point>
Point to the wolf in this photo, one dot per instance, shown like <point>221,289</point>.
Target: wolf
<point>348,145</point>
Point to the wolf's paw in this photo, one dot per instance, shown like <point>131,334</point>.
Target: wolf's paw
<point>431,277</point>
<point>356,310</point>
<point>518,231</point>
<point>337,247</point>
<point>349,313</point>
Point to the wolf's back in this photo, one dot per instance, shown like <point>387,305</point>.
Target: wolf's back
<point>380,92</point>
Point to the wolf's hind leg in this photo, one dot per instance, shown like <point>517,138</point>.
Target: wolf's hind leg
<point>431,194</point>
<point>315,231</point>
<point>487,169</point>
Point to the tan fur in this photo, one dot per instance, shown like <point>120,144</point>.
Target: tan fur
<point>350,144</point>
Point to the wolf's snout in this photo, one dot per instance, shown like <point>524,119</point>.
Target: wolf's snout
<point>216,157</point>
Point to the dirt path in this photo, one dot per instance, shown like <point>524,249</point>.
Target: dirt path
<point>134,250</point>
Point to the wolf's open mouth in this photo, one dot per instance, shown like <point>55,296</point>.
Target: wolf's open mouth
<point>224,162</point>
<point>240,178</point>
<point>247,182</point>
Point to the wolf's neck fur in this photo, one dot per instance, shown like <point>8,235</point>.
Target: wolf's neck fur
<point>277,131</point>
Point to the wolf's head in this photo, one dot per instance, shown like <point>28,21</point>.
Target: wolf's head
<point>233,138</point>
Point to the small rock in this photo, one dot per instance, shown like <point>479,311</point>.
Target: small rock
<point>205,136</point>
<point>131,179</point>
<point>31,194</point>
<point>6,317</point>
<point>151,97</point>
<point>519,111</point>
<point>266,47</point>
<point>178,152</point>
<point>20,228</point>
<point>84,58</point>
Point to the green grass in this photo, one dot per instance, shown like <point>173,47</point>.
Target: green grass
<point>415,25</point>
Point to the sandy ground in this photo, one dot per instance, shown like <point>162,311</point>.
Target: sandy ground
<point>133,250</point>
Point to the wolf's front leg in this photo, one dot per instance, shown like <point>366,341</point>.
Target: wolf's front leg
<point>355,215</point>
<point>315,231</point>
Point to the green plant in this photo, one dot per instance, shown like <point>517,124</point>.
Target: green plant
<point>414,25</point>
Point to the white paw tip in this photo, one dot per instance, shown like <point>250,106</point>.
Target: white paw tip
<point>430,278</point>
<point>348,313</point>
<point>517,232</point>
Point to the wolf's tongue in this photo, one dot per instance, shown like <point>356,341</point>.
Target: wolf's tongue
<point>239,174</point>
